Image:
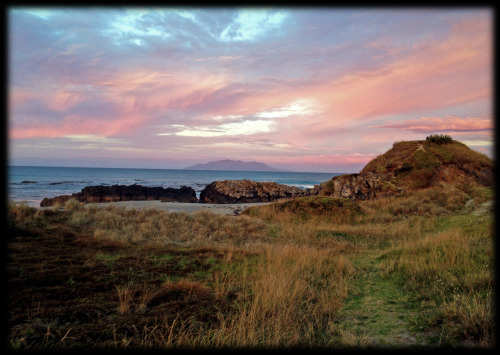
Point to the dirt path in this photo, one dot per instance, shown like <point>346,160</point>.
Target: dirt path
<point>421,147</point>
<point>377,310</point>
<point>483,208</point>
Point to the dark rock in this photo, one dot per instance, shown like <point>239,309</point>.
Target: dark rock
<point>183,194</point>
<point>125,193</point>
<point>246,191</point>
<point>28,182</point>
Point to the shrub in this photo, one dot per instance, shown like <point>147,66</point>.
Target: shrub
<point>73,205</point>
<point>439,138</point>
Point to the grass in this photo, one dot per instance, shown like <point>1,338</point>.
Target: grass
<point>378,309</point>
<point>451,271</point>
<point>413,270</point>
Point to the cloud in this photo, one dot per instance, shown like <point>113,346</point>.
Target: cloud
<point>441,124</point>
<point>250,24</point>
<point>91,138</point>
<point>478,143</point>
<point>126,100</point>
<point>62,100</point>
<point>229,58</point>
<point>338,163</point>
<point>430,75</point>
<point>246,127</point>
<point>301,107</point>
<point>258,122</point>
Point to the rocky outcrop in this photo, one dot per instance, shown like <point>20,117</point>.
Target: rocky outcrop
<point>246,191</point>
<point>125,193</point>
<point>359,186</point>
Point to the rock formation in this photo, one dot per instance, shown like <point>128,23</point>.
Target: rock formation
<point>125,193</point>
<point>245,191</point>
<point>359,186</point>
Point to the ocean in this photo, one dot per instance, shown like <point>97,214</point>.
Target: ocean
<point>32,183</point>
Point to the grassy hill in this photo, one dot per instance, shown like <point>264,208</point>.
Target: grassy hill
<point>413,165</point>
<point>420,164</point>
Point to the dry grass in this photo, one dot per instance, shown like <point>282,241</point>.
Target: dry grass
<point>125,295</point>
<point>288,297</point>
<point>276,292</point>
<point>278,275</point>
<point>153,226</point>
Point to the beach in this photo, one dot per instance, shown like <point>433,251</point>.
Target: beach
<point>231,209</point>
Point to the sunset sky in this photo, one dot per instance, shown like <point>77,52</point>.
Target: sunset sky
<point>302,89</point>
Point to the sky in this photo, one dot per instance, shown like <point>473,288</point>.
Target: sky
<point>301,89</point>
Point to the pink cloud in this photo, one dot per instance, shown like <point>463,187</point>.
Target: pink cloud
<point>64,100</point>
<point>434,74</point>
<point>18,96</point>
<point>134,98</point>
<point>151,90</point>
<point>73,124</point>
<point>442,124</point>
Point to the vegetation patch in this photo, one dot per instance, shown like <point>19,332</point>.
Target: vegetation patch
<point>450,271</point>
<point>334,209</point>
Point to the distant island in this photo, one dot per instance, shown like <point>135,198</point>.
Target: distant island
<point>232,165</point>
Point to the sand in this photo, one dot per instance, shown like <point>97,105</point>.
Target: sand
<point>227,209</point>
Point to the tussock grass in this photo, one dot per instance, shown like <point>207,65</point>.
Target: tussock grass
<point>22,214</point>
<point>153,226</point>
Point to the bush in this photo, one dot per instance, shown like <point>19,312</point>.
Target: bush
<point>439,138</point>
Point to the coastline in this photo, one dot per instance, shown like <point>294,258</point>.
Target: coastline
<point>231,209</point>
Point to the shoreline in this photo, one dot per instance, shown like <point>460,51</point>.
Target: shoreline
<point>230,209</point>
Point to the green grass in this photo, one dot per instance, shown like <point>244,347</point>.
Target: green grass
<point>108,259</point>
<point>378,309</point>
<point>451,271</point>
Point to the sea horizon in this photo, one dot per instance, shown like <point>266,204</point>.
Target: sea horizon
<point>101,167</point>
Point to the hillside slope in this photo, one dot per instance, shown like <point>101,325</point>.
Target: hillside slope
<point>413,165</point>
